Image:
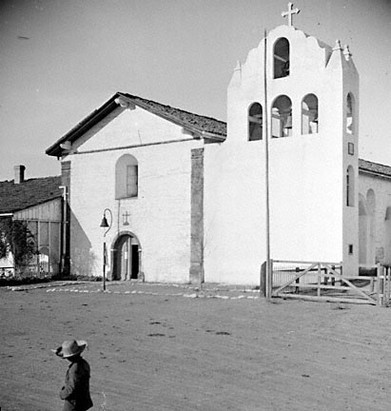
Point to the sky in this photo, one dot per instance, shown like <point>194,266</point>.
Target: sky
<point>62,59</point>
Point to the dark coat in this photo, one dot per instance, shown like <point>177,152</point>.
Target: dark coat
<point>76,391</point>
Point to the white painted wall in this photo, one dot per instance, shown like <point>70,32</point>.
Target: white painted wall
<point>159,216</point>
<point>234,213</point>
<point>308,220</point>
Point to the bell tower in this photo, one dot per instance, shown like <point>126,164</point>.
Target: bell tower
<point>294,101</point>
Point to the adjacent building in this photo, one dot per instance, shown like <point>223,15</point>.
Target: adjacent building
<point>39,203</point>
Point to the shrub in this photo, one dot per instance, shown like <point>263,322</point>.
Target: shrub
<point>16,238</point>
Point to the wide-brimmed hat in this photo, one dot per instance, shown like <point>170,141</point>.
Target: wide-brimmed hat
<point>70,348</point>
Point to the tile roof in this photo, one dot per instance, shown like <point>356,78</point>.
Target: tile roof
<point>203,123</point>
<point>200,124</point>
<point>374,168</point>
<point>31,192</point>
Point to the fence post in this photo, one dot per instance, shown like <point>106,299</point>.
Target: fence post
<point>380,285</point>
<point>319,280</point>
<point>269,280</point>
<point>333,278</point>
<point>262,282</point>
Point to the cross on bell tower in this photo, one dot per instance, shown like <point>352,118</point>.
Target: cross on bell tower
<point>290,13</point>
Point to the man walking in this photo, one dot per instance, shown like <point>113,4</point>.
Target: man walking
<point>76,390</point>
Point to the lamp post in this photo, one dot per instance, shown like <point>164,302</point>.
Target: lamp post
<point>104,224</point>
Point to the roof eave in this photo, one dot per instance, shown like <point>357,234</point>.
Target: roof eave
<point>374,173</point>
<point>369,167</point>
<point>84,125</point>
<point>99,114</point>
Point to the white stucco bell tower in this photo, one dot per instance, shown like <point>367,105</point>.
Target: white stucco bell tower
<point>302,96</point>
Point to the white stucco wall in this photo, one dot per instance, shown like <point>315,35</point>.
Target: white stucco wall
<point>379,249</point>
<point>234,213</point>
<point>308,220</point>
<point>159,216</point>
<point>350,214</point>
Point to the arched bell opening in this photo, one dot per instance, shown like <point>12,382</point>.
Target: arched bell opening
<point>281,61</point>
<point>281,117</point>
<point>309,114</point>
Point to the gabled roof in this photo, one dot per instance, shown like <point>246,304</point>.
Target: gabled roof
<point>201,126</point>
<point>29,193</point>
<point>374,168</point>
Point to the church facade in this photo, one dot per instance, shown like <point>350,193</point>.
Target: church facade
<point>190,198</point>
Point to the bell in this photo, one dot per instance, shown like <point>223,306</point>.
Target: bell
<point>104,223</point>
<point>288,123</point>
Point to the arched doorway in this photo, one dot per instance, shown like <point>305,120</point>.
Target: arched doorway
<point>126,257</point>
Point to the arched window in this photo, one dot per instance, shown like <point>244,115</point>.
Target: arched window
<point>350,114</point>
<point>255,122</point>
<point>309,114</point>
<point>282,117</point>
<point>281,58</point>
<point>350,187</point>
<point>126,177</point>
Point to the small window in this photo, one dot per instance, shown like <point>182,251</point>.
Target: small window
<point>350,247</point>
<point>126,177</point>
<point>350,115</point>
<point>309,114</point>
<point>351,149</point>
<point>255,120</point>
<point>282,117</point>
<point>350,187</point>
<point>131,180</point>
<point>281,58</point>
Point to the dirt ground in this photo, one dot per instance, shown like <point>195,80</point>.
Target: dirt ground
<point>155,347</point>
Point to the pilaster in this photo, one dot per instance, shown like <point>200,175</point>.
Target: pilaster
<point>197,217</point>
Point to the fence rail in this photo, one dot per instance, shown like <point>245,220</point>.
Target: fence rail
<point>36,270</point>
<point>384,285</point>
<point>325,281</point>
